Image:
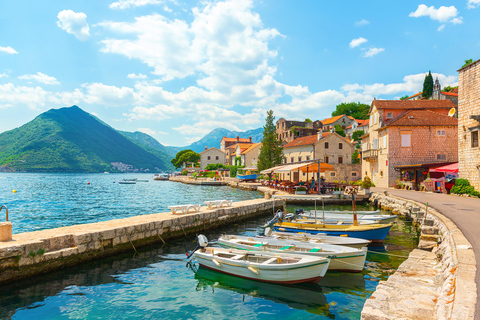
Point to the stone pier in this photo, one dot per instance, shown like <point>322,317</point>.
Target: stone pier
<point>33,253</point>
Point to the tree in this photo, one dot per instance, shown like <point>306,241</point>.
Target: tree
<point>339,130</point>
<point>404,97</point>
<point>467,62</point>
<point>355,158</point>
<point>308,120</point>
<point>185,156</point>
<point>354,109</point>
<point>357,134</point>
<point>271,152</point>
<point>428,86</point>
<point>448,88</point>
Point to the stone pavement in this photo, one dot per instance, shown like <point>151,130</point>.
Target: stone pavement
<point>464,212</point>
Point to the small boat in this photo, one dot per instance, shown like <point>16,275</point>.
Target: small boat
<point>130,179</point>
<point>142,180</point>
<point>341,258</point>
<point>319,238</point>
<point>333,221</point>
<point>347,217</point>
<point>261,266</point>
<point>372,232</point>
<point>161,177</point>
<point>247,177</point>
<point>126,182</point>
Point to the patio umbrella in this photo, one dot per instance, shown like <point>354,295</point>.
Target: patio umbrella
<point>450,168</point>
<point>314,167</point>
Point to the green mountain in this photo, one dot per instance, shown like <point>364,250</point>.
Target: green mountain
<point>72,140</point>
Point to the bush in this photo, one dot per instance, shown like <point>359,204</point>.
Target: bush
<point>301,189</point>
<point>367,183</point>
<point>184,172</point>
<point>214,166</point>
<point>462,186</point>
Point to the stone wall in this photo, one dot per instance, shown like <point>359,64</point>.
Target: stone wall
<point>468,105</point>
<point>38,252</point>
<point>429,285</point>
<point>344,172</point>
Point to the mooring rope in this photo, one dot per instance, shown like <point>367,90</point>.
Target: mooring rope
<point>388,254</point>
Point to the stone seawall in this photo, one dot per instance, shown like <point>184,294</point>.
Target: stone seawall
<point>428,285</point>
<point>38,252</point>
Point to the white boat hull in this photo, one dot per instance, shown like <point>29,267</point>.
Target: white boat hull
<point>348,217</point>
<point>308,270</point>
<point>320,238</point>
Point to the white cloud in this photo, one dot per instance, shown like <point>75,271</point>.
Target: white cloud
<point>361,23</point>
<point>372,52</point>
<point>356,42</point>
<point>149,131</point>
<point>8,50</point>
<point>125,4</point>
<point>3,75</point>
<point>472,4</point>
<point>40,77</point>
<point>74,23</point>
<point>110,96</point>
<point>136,76</point>
<point>442,14</point>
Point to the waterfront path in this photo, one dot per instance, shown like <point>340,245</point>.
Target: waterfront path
<point>464,212</point>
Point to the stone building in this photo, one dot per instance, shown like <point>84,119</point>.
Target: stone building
<point>469,123</point>
<point>437,94</point>
<point>211,156</point>
<point>357,125</point>
<point>343,121</point>
<point>249,156</point>
<point>408,137</point>
<point>289,130</point>
<point>227,142</point>
<point>232,153</point>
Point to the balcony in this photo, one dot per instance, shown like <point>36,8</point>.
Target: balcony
<point>370,155</point>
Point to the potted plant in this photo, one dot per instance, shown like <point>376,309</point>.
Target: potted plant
<point>301,190</point>
<point>366,184</point>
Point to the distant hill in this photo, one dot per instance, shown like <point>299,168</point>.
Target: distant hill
<point>72,140</point>
<point>213,138</point>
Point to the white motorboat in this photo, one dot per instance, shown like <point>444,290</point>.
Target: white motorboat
<point>264,266</point>
<point>347,217</point>
<point>161,177</point>
<point>318,238</point>
<point>341,258</point>
<point>126,182</point>
<point>142,180</point>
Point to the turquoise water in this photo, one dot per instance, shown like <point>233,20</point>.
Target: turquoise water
<point>157,283</point>
<point>45,201</point>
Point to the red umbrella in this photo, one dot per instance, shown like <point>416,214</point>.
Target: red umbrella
<point>450,168</point>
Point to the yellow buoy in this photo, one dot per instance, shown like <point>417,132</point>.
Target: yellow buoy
<point>14,191</point>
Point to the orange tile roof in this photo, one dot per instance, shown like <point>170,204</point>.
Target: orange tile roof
<point>414,95</point>
<point>362,123</point>
<point>413,104</point>
<point>453,94</point>
<point>302,141</point>
<point>331,120</point>
<point>251,147</point>
<point>422,118</point>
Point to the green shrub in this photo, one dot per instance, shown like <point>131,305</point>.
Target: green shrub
<point>214,166</point>
<point>301,189</point>
<point>367,183</point>
<point>462,186</point>
<point>184,172</point>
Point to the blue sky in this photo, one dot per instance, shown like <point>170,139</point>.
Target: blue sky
<point>177,70</point>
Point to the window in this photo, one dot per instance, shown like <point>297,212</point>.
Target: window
<point>441,132</point>
<point>340,159</point>
<point>384,141</point>
<point>354,174</point>
<point>326,145</point>
<point>292,160</point>
<point>326,159</point>
<point>208,158</point>
<point>376,117</point>
<point>406,137</point>
<point>308,158</point>
<point>375,144</point>
<point>340,146</point>
<point>216,157</point>
<point>442,157</point>
<point>285,160</point>
<point>474,136</point>
<point>371,120</point>
<point>332,174</point>
<point>299,159</point>
<point>381,173</point>
<point>389,115</point>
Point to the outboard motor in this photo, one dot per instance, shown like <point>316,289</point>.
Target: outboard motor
<point>202,243</point>
<point>279,216</point>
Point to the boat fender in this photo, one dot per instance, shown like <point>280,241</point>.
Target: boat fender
<point>332,256</point>
<point>344,235</point>
<point>253,270</point>
<point>216,262</point>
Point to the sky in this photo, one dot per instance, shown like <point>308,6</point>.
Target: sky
<point>177,70</point>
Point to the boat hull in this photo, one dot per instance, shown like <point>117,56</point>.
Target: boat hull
<point>348,218</point>
<point>247,177</point>
<point>377,234</point>
<point>355,243</point>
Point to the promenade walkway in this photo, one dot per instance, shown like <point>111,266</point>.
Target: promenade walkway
<point>464,212</point>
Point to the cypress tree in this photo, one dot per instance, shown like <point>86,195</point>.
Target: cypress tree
<point>428,86</point>
<point>271,152</point>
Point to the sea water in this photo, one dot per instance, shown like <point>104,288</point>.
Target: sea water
<point>158,283</point>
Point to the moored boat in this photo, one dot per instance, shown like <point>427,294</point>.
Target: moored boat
<point>347,217</point>
<point>247,177</point>
<point>372,232</point>
<point>319,238</point>
<point>264,266</point>
<point>127,182</point>
<point>161,177</point>
<point>341,258</point>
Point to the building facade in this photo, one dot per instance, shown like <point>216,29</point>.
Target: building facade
<point>249,156</point>
<point>407,133</point>
<point>211,156</point>
<point>437,94</point>
<point>469,123</point>
<point>289,130</point>
<point>343,121</point>
<point>227,142</point>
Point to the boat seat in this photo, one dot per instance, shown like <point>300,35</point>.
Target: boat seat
<point>315,250</point>
<point>286,247</point>
<point>258,245</point>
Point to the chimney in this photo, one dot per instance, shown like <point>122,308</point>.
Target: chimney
<point>250,139</point>
<point>206,148</point>
<point>238,138</point>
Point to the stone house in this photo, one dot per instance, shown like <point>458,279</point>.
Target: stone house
<point>249,156</point>
<point>469,123</point>
<point>233,152</point>
<point>343,120</point>
<point>227,142</point>
<point>357,125</point>
<point>407,137</point>
<point>289,130</point>
<point>211,156</point>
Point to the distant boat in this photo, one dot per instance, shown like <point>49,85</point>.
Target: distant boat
<point>106,172</point>
<point>130,179</point>
<point>161,177</point>
<point>127,182</point>
<point>142,180</point>
<point>247,177</point>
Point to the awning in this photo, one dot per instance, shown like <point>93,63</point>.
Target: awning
<point>313,167</point>
<point>291,167</point>
<point>451,168</point>
<point>422,166</point>
<point>269,170</point>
